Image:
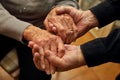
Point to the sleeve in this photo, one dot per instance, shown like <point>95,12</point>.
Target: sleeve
<point>73,3</point>
<point>107,11</point>
<point>102,50</point>
<point>10,26</point>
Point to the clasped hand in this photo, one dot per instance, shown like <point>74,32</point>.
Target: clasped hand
<point>66,23</point>
<point>59,26</point>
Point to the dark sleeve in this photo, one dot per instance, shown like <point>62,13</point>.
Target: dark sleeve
<point>107,11</point>
<point>102,50</point>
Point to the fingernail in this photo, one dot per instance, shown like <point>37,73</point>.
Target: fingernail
<point>48,73</point>
<point>43,66</point>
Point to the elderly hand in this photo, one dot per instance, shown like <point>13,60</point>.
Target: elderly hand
<point>84,20</point>
<point>40,62</point>
<point>45,41</point>
<point>72,58</point>
<point>61,25</point>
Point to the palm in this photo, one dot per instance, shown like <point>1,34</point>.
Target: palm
<point>71,59</point>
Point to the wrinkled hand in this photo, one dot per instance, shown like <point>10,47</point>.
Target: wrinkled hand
<point>38,60</point>
<point>45,41</point>
<point>61,25</point>
<point>84,20</point>
<point>72,58</point>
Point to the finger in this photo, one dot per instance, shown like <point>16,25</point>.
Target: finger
<point>49,26</point>
<point>30,44</point>
<point>53,49</point>
<point>41,52</point>
<point>54,60</point>
<point>63,10</point>
<point>73,27</point>
<point>47,64</point>
<point>35,49</point>
<point>68,21</point>
<point>65,27</point>
<point>52,69</point>
<point>37,61</point>
<point>52,21</point>
<point>53,28</point>
<point>53,46</point>
<point>62,34</point>
<point>70,37</point>
<point>72,31</point>
<point>69,28</point>
<point>47,68</point>
<point>59,28</point>
<point>75,31</point>
<point>61,48</point>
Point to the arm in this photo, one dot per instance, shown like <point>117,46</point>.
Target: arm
<point>99,15</point>
<point>102,50</point>
<point>107,11</point>
<point>51,14</point>
<point>14,28</point>
<point>97,51</point>
<point>92,53</point>
<point>9,25</point>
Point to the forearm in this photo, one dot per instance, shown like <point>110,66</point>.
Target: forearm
<point>107,11</point>
<point>73,3</point>
<point>102,50</point>
<point>31,32</point>
<point>11,26</point>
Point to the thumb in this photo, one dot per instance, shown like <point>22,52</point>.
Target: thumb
<point>63,10</point>
<point>53,59</point>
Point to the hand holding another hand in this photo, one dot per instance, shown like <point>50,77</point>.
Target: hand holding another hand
<point>61,25</point>
<point>84,20</point>
<point>59,22</point>
<point>45,41</point>
<point>72,58</point>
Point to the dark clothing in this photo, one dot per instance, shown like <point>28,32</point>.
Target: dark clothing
<point>27,68</point>
<point>102,50</point>
<point>28,71</point>
<point>118,77</point>
<point>107,11</point>
<point>106,49</point>
<point>6,44</point>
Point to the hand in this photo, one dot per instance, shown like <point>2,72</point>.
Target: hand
<point>72,58</point>
<point>38,60</point>
<point>84,20</point>
<point>45,41</point>
<point>61,25</point>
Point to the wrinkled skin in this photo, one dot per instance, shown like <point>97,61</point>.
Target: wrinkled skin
<point>61,25</point>
<point>84,20</point>
<point>45,41</point>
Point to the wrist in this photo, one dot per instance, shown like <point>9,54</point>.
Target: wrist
<point>81,57</point>
<point>88,21</point>
<point>30,32</point>
<point>93,19</point>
